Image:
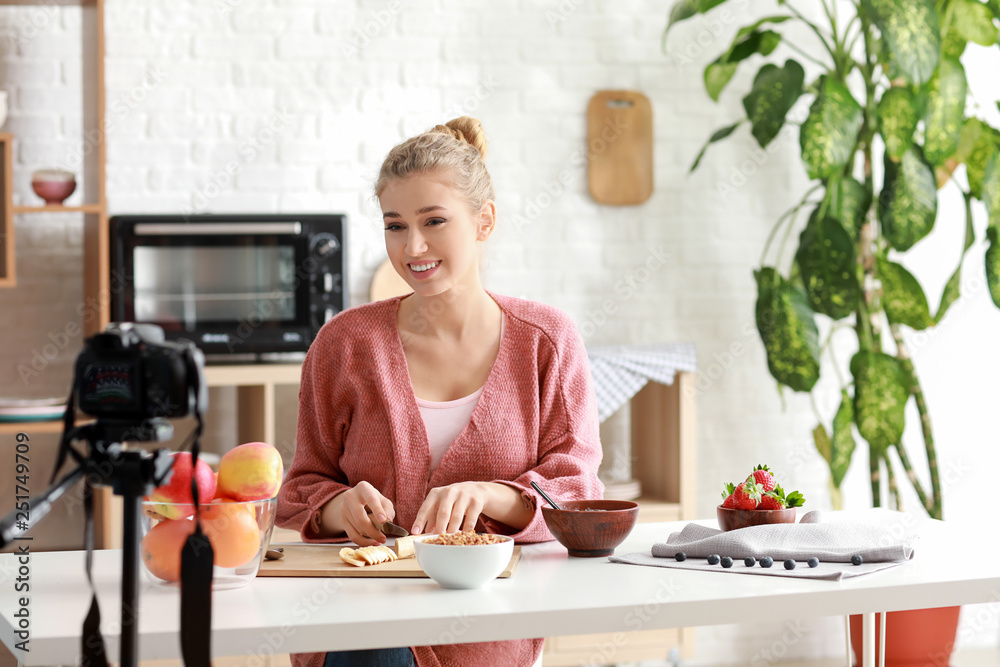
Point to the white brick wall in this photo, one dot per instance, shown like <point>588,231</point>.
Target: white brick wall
<point>191,84</point>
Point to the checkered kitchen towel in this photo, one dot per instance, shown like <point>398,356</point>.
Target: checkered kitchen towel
<point>620,371</point>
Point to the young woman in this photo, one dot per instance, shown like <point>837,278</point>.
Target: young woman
<point>437,409</point>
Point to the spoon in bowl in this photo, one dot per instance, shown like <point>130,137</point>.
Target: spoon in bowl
<point>546,496</point>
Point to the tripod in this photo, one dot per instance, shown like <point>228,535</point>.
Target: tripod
<point>132,474</point>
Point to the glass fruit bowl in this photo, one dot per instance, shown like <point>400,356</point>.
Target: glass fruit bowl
<point>239,532</point>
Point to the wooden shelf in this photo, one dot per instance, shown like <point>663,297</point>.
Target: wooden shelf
<point>243,375</point>
<point>48,208</point>
<point>50,3</point>
<point>48,426</point>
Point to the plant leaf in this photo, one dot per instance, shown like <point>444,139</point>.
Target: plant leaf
<point>945,109</point>
<point>685,9</point>
<point>898,118</point>
<point>881,389</point>
<point>993,266</point>
<point>911,35</point>
<point>826,263</point>
<point>847,201</point>
<point>953,288</point>
<point>842,445</point>
<point>902,296</point>
<point>717,76</point>
<point>747,42</point>
<point>953,43</point>
<point>775,90</point>
<point>974,22</point>
<point>718,135</point>
<point>985,146</point>
<point>822,441</point>
<point>907,204</point>
<point>788,331</point>
<point>830,132</point>
<point>991,190</point>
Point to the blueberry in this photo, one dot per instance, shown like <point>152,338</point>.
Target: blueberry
<point>750,561</point>
<point>680,556</point>
<point>814,562</point>
<point>727,561</point>
<point>713,559</point>
<point>766,561</point>
<point>789,564</point>
<point>857,559</point>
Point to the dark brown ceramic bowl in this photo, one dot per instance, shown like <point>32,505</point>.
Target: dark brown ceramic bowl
<point>730,519</point>
<point>591,528</point>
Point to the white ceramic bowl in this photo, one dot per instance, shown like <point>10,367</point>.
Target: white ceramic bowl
<point>454,566</point>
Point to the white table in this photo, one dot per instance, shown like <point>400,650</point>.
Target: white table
<point>549,595</point>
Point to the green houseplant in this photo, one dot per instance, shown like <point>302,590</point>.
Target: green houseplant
<point>891,82</point>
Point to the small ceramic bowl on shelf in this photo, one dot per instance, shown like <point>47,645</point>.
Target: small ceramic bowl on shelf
<point>239,532</point>
<point>53,185</point>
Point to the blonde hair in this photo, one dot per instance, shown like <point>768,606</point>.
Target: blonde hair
<point>458,147</point>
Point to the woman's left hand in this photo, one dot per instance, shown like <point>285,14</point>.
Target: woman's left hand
<point>449,509</point>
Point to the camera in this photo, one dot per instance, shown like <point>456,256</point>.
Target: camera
<point>130,374</point>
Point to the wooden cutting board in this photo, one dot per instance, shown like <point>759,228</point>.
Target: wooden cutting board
<point>303,560</point>
<point>620,147</point>
<point>386,283</point>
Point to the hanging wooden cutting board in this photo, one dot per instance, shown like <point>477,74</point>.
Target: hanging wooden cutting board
<point>310,560</point>
<point>620,147</point>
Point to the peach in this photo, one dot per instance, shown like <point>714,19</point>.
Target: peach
<point>251,471</point>
<point>178,489</point>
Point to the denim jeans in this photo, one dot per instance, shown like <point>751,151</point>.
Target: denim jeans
<point>379,657</point>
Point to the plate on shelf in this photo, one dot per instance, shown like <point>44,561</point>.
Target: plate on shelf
<point>31,410</point>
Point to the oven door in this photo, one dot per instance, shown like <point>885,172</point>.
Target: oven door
<point>231,286</point>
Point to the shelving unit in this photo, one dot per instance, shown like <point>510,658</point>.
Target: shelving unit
<point>663,451</point>
<point>94,209</point>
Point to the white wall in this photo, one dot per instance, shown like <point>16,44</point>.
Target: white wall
<point>192,86</point>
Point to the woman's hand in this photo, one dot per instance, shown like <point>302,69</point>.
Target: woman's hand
<point>449,509</point>
<point>348,513</point>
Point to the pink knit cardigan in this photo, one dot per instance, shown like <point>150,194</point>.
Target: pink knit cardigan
<point>358,420</point>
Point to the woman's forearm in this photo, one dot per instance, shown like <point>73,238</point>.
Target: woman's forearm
<point>506,505</point>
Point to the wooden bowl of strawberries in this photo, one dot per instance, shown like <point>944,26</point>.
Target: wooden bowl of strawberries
<point>756,501</point>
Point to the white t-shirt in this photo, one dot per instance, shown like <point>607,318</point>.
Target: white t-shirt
<point>444,420</point>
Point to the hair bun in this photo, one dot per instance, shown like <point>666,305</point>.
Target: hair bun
<point>467,129</point>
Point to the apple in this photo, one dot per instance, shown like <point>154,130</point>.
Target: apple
<point>178,489</point>
<point>251,471</point>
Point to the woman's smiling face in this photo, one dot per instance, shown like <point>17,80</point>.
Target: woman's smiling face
<point>430,234</point>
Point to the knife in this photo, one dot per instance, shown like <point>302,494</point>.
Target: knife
<point>387,527</point>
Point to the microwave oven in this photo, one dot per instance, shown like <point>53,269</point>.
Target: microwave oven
<point>238,286</point>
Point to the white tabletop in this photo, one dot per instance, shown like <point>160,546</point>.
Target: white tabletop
<point>549,595</point>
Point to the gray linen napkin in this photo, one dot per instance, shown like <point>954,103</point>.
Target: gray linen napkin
<point>881,545</point>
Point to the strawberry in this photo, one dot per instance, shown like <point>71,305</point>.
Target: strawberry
<point>777,499</point>
<point>727,496</point>
<point>764,477</point>
<point>747,495</point>
<point>770,501</point>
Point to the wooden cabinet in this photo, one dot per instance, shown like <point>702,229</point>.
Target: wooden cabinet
<point>663,451</point>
